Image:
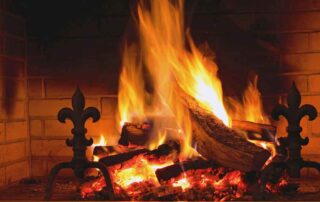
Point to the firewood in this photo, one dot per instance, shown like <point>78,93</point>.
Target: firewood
<point>137,134</point>
<point>103,151</point>
<point>178,168</point>
<point>255,131</point>
<point>120,158</point>
<point>163,150</point>
<point>222,144</point>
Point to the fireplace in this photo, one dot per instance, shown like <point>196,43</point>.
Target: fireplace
<point>266,45</point>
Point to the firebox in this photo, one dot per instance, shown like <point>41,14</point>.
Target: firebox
<point>159,100</point>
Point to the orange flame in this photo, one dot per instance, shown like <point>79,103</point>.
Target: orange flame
<point>141,170</point>
<point>169,67</point>
<point>102,142</point>
<point>251,108</point>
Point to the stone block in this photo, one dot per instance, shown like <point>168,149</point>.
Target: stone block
<point>13,25</point>
<point>109,106</point>
<point>15,47</point>
<point>15,151</point>
<point>314,42</point>
<point>11,68</point>
<point>16,130</point>
<point>35,88</point>
<point>295,42</point>
<point>303,62</point>
<point>315,127</point>
<point>55,128</point>
<point>249,5</point>
<point>2,133</point>
<point>10,109</point>
<point>301,82</point>
<point>297,21</point>
<point>56,88</point>
<point>51,107</point>
<point>3,153</point>
<point>314,83</point>
<point>17,171</point>
<point>2,176</point>
<point>38,167</point>
<point>311,99</point>
<point>297,5</point>
<point>36,128</point>
<point>50,148</point>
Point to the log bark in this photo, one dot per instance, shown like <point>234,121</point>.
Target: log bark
<point>120,158</point>
<point>163,150</point>
<point>256,131</point>
<point>103,151</point>
<point>136,134</point>
<point>220,143</point>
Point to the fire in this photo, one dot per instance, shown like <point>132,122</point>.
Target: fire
<point>183,183</point>
<point>169,68</point>
<point>157,73</point>
<point>102,142</point>
<point>141,170</point>
<point>253,104</point>
<point>251,107</point>
<point>131,90</point>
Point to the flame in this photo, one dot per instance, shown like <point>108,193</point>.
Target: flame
<point>251,107</point>
<point>102,142</point>
<point>161,137</point>
<point>270,146</point>
<point>183,183</point>
<point>131,92</point>
<point>171,64</point>
<point>141,170</point>
<point>253,103</point>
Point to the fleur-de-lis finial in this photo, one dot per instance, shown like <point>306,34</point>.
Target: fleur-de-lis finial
<point>79,143</point>
<point>294,113</point>
<point>78,116</point>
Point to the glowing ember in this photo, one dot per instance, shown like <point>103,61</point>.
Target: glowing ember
<point>251,108</point>
<point>140,170</point>
<point>183,183</point>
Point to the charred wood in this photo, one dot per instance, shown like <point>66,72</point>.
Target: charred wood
<point>178,168</point>
<point>120,158</point>
<point>256,131</point>
<point>136,134</point>
<point>220,143</point>
<point>163,150</point>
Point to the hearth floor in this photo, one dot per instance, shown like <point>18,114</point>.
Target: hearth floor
<point>65,190</point>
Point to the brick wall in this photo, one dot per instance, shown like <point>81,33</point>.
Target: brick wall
<point>277,39</point>
<point>54,71</point>
<point>14,128</point>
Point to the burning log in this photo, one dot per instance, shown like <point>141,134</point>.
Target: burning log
<point>256,131</point>
<point>103,151</point>
<point>176,169</point>
<point>222,144</point>
<point>163,150</point>
<point>136,134</point>
<point>120,158</point>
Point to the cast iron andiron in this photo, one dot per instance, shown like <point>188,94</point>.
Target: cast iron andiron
<point>79,143</point>
<point>292,143</point>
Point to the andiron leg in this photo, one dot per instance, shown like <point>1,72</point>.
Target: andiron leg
<point>106,176</point>
<point>53,173</point>
<point>311,164</point>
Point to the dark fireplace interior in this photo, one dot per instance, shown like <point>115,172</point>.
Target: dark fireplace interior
<point>55,52</point>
